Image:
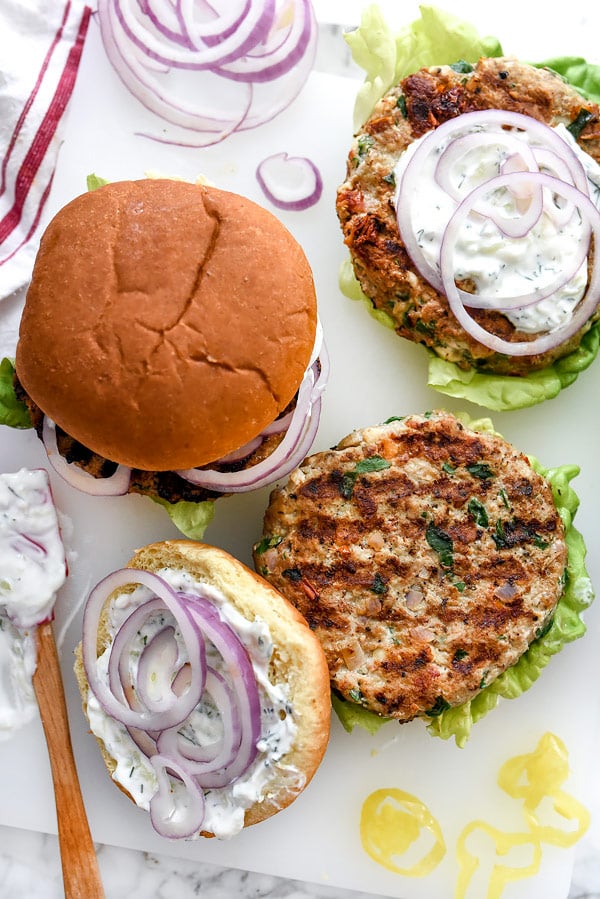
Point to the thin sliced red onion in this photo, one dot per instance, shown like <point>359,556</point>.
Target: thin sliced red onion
<point>446,134</point>
<point>255,46</point>
<point>584,309</point>
<point>165,679</point>
<point>243,684</point>
<point>201,760</point>
<point>115,485</point>
<point>178,807</point>
<point>301,432</point>
<point>292,183</point>
<point>298,439</point>
<point>179,707</point>
<point>156,665</point>
<point>533,197</point>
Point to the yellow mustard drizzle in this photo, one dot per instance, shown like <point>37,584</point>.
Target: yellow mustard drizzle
<point>531,778</point>
<point>391,822</point>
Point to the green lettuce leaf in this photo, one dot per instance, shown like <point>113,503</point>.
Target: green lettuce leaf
<point>567,624</point>
<point>576,71</point>
<point>503,393</point>
<point>13,412</point>
<point>190,518</point>
<point>436,38</point>
<point>93,182</point>
<point>439,38</point>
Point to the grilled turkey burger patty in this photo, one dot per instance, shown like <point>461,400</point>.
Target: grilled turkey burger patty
<point>365,201</point>
<point>426,557</point>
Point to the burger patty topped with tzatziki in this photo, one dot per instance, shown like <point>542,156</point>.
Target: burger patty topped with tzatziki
<point>425,555</point>
<point>417,256</point>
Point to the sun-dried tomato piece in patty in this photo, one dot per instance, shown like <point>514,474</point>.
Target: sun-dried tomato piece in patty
<point>426,557</point>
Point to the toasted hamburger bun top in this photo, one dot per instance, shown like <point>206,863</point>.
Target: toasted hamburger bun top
<point>297,660</point>
<point>166,323</point>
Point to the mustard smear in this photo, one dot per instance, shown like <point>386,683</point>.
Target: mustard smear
<point>391,823</point>
<point>532,778</point>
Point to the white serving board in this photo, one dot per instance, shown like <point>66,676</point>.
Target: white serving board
<point>374,375</point>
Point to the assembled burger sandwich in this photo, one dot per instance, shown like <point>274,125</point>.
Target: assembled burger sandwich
<point>437,564</point>
<point>206,690</point>
<point>169,343</point>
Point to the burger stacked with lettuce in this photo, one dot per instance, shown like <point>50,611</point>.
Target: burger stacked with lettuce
<point>467,171</point>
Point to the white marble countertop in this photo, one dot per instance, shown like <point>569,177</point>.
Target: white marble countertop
<point>30,861</point>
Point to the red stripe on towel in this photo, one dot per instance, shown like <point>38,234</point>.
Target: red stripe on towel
<point>46,131</point>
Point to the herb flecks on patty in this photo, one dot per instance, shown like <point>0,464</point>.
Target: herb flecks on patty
<point>365,201</point>
<point>427,578</point>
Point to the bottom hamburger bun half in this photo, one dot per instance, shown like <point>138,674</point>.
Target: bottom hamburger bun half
<point>426,555</point>
<point>221,690</point>
<point>166,323</point>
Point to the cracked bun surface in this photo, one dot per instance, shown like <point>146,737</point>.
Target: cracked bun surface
<point>166,323</point>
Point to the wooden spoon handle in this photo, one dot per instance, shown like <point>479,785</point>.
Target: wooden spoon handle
<point>81,875</point>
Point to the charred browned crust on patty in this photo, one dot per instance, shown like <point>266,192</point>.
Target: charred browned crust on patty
<point>365,207</point>
<point>426,557</point>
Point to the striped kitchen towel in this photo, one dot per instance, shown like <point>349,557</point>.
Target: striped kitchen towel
<point>41,42</point>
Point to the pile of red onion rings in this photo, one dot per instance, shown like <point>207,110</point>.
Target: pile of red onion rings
<point>210,67</point>
<point>301,428</point>
<point>543,177</point>
<point>167,686</point>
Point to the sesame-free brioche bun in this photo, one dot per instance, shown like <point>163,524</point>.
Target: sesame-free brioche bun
<point>166,323</point>
<point>298,660</point>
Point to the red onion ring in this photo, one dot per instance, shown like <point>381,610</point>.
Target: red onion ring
<point>298,439</point>
<point>302,425</point>
<point>168,688</point>
<point>171,819</point>
<point>452,130</point>
<point>178,708</point>
<point>244,687</point>
<point>115,485</point>
<point>247,44</point>
<point>198,760</point>
<point>277,176</point>
<point>584,309</point>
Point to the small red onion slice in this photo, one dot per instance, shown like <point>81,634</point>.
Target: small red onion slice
<point>115,485</point>
<point>243,684</point>
<point>200,760</point>
<point>156,669</point>
<point>178,808</point>
<point>584,309</point>
<point>177,708</point>
<point>291,183</point>
<point>298,439</point>
<point>179,58</point>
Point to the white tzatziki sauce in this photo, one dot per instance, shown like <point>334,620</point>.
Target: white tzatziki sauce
<point>32,569</point>
<point>18,705</point>
<point>501,266</point>
<point>225,807</point>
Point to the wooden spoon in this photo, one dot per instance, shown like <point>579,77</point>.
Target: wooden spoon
<point>81,875</point>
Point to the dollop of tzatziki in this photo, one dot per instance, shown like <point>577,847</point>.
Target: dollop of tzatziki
<point>225,807</point>
<point>498,265</point>
<point>18,705</point>
<point>32,569</point>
